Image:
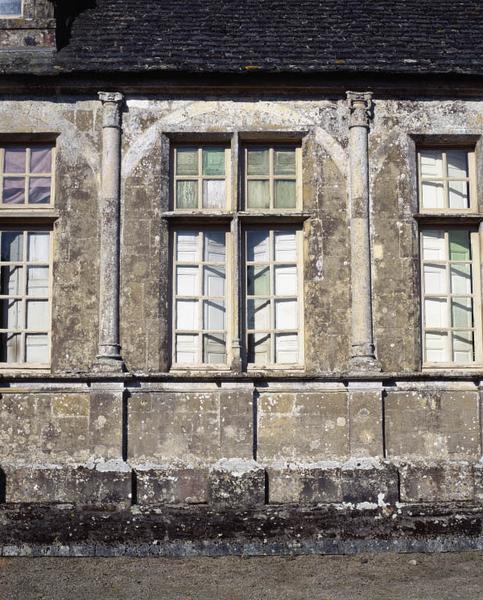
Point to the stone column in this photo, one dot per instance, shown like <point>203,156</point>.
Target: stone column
<point>109,356</point>
<point>362,354</point>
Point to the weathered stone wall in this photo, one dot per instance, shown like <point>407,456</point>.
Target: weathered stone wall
<point>35,28</point>
<point>318,436</point>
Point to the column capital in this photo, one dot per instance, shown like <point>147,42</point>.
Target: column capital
<point>112,104</point>
<point>360,108</point>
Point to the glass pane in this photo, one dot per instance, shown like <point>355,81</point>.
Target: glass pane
<point>259,348</point>
<point>186,246</point>
<point>433,245</point>
<point>186,349</point>
<point>258,314</point>
<point>435,279</point>
<point>463,347</point>
<point>186,161</point>
<point>286,314</point>
<point>214,282</point>
<point>433,194</point>
<point>215,246</point>
<point>258,281</point>
<point>257,245</point>
<point>284,162</point>
<point>187,281</point>
<point>39,192</point>
<point>14,190</point>
<point>258,193</point>
<point>431,163</point>
<point>37,314</point>
<point>457,163</point>
<point>214,315</point>
<point>461,279</point>
<point>11,281</point>
<point>257,160</point>
<point>10,8</point>
<point>214,193</point>
<point>15,158</point>
<point>10,349</point>
<point>436,347</point>
<point>187,314</point>
<point>285,246</point>
<point>285,194</point>
<point>38,281</point>
<point>459,245</point>
<point>37,348</point>
<point>214,349</point>
<point>458,194</point>
<point>12,314</point>
<point>462,312</point>
<point>186,194</point>
<point>12,246</point>
<point>286,348</point>
<point>213,161</point>
<point>41,159</point>
<point>285,281</point>
<point>38,247</point>
<point>436,312</point>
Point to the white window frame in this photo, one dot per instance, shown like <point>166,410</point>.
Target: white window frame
<point>272,264</point>
<point>200,178</point>
<point>23,298</point>
<point>200,264</point>
<point>272,177</point>
<point>471,179</point>
<point>27,175</point>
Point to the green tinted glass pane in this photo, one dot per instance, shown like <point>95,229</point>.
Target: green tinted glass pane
<point>462,312</point>
<point>284,162</point>
<point>186,194</point>
<point>284,194</point>
<point>459,245</point>
<point>258,195</point>
<point>213,161</point>
<point>186,161</point>
<point>258,281</point>
<point>257,161</point>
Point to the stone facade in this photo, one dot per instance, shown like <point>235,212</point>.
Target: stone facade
<point>112,424</point>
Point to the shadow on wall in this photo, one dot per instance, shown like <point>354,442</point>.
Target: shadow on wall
<point>66,11</point>
<point>3,487</point>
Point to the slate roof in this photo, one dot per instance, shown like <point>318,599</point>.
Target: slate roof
<point>229,36</point>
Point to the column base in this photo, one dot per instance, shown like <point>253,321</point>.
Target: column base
<point>109,364</point>
<point>365,364</point>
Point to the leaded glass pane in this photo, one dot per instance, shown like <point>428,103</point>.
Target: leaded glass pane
<point>258,314</point>
<point>285,193</point>
<point>15,159</point>
<point>38,281</point>
<point>186,194</point>
<point>433,194</point>
<point>214,246</point>
<point>286,348</point>
<point>12,246</point>
<point>214,315</point>
<point>259,348</point>
<point>214,349</point>
<point>187,246</point>
<point>284,162</point>
<point>41,159</point>
<point>11,281</point>
<point>257,161</point>
<point>257,245</point>
<point>431,163</point>
<point>434,279</point>
<point>36,348</point>
<point>214,282</point>
<point>13,190</point>
<point>258,281</point>
<point>258,193</point>
<point>462,309</point>
<point>463,347</point>
<point>187,314</point>
<point>459,244</point>
<point>187,281</point>
<point>436,347</point>
<point>38,247</point>
<point>186,348</point>
<point>214,193</point>
<point>461,279</point>
<point>458,194</point>
<point>186,161</point>
<point>39,190</point>
<point>457,163</point>
<point>213,161</point>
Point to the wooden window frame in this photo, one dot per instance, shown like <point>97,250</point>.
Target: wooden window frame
<point>272,177</point>
<point>445,179</point>
<point>200,178</point>
<point>272,264</point>
<point>27,229</point>
<point>200,264</point>
<point>27,175</point>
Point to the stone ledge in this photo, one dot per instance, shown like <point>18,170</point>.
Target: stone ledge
<point>101,483</point>
<point>67,530</point>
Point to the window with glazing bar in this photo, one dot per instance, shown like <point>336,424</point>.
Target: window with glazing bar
<point>266,283</point>
<point>450,260</point>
